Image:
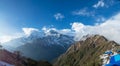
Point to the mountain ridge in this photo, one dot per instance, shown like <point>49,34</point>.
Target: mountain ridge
<point>86,52</point>
<point>34,35</point>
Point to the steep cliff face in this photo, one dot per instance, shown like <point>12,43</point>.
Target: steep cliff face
<point>86,52</point>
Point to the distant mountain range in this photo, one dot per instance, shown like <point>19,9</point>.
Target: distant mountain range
<point>87,52</point>
<point>41,46</point>
<point>61,48</point>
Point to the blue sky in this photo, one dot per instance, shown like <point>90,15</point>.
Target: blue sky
<point>18,14</point>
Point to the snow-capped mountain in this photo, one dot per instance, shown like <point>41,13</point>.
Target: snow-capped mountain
<point>50,43</point>
<point>48,38</point>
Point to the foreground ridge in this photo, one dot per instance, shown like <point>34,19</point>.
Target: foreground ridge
<point>86,52</point>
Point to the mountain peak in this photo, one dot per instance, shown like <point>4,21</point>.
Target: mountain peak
<point>52,32</point>
<point>39,34</point>
<point>29,31</point>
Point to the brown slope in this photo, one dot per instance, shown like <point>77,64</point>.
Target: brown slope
<point>10,58</point>
<point>18,60</point>
<point>86,53</point>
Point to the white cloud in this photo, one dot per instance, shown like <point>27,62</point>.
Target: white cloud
<point>66,32</point>
<point>59,16</point>
<point>77,26</point>
<point>109,29</point>
<point>99,4</point>
<point>28,31</point>
<point>105,3</point>
<point>61,31</point>
<point>81,30</point>
<point>100,19</point>
<point>6,38</point>
<point>83,12</point>
<point>47,30</point>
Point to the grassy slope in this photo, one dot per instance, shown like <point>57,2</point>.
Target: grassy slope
<point>85,53</point>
